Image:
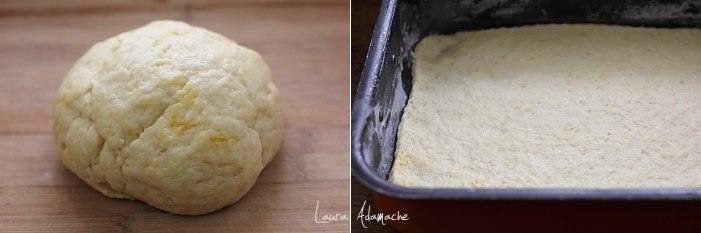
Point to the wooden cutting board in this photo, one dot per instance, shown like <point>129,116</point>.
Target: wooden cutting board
<point>305,43</point>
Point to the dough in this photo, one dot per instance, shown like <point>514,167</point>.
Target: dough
<point>570,106</point>
<point>176,116</point>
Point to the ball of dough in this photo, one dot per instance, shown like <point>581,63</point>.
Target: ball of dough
<point>176,116</point>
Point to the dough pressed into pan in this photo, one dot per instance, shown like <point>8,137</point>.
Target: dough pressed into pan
<point>176,116</point>
<point>544,106</point>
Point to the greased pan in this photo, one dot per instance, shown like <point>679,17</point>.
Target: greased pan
<point>386,84</point>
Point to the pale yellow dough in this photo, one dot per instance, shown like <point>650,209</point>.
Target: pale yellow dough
<point>580,106</point>
<point>176,116</point>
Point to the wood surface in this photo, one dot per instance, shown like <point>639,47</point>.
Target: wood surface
<point>305,43</point>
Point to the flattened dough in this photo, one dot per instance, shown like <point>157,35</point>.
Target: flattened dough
<point>583,106</point>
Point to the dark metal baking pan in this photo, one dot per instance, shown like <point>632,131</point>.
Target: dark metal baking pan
<point>386,84</point>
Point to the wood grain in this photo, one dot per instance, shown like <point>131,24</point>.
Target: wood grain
<point>305,43</point>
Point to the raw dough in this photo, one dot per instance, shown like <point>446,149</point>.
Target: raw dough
<point>179,117</point>
<point>585,106</point>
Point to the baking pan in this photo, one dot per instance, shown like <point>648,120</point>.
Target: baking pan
<point>386,84</point>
